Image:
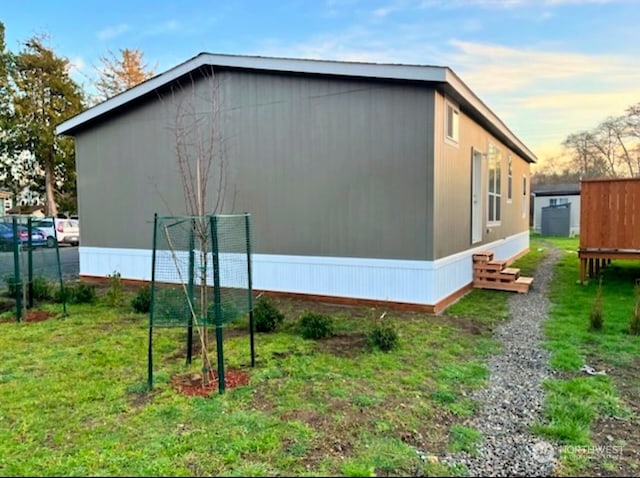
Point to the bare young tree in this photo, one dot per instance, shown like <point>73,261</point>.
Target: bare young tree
<point>196,127</point>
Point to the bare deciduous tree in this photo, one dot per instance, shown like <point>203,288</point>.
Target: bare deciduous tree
<point>196,127</point>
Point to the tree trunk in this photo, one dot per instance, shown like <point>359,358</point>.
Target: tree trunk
<point>49,180</point>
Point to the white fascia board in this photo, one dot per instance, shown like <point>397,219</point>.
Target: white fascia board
<point>486,112</point>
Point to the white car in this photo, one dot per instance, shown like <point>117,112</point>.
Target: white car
<point>66,231</point>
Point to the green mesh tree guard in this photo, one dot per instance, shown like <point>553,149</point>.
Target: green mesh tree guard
<point>183,283</point>
<point>201,276</point>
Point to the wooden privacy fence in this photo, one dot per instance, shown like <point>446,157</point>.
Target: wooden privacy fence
<point>609,222</point>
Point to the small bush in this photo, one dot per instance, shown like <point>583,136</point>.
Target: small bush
<point>266,315</point>
<point>115,292</point>
<point>596,318</point>
<point>76,294</point>
<point>141,303</point>
<point>12,285</point>
<point>634,326</point>
<point>42,288</point>
<point>383,336</point>
<point>316,326</point>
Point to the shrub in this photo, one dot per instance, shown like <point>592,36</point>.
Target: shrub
<point>316,326</point>
<point>115,291</point>
<point>141,303</point>
<point>266,315</point>
<point>12,285</point>
<point>42,288</point>
<point>76,294</point>
<point>596,318</point>
<point>383,336</point>
<point>634,326</point>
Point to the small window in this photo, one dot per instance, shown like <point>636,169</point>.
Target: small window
<point>452,123</point>
<point>509,179</point>
<point>558,201</point>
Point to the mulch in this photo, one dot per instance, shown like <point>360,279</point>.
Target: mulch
<point>191,384</point>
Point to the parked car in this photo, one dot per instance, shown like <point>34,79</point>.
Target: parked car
<point>66,231</point>
<point>38,237</point>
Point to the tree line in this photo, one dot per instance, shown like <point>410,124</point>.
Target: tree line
<point>610,150</point>
<point>37,93</point>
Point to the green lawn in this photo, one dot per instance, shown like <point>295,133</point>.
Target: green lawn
<point>73,397</point>
<point>577,402</point>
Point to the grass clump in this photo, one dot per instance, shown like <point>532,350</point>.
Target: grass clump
<point>42,288</point>
<point>115,292</point>
<point>316,326</point>
<point>634,326</point>
<point>596,318</point>
<point>266,315</point>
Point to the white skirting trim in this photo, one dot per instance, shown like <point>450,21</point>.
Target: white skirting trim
<point>416,282</point>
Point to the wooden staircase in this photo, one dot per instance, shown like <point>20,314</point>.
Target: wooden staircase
<point>494,274</point>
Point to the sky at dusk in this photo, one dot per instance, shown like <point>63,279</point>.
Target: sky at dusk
<point>548,68</point>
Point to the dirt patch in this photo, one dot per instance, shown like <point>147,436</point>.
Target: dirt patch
<point>344,345</point>
<point>615,451</point>
<point>192,386</point>
<point>37,315</point>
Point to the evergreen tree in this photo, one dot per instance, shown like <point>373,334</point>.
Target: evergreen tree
<point>45,96</point>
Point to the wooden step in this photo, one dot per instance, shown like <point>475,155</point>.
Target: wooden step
<point>494,266</point>
<point>520,285</point>
<point>505,275</point>
<point>483,256</point>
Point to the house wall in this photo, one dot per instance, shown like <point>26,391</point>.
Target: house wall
<point>328,168</point>
<point>543,201</point>
<point>452,194</point>
<point>338,176</point>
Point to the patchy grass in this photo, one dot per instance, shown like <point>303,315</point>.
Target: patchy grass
<point>591,416</point>
<point>74,401</point>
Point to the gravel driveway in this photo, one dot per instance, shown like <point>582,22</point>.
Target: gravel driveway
<point>513,399</point>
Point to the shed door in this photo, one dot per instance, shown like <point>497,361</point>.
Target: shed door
<point>476,196</point>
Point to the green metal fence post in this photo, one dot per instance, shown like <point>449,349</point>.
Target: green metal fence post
<point>217,302</point>
<point>30,263</point>
<point>191,289</point>
<point>247,227</point>
<point>16,270</point>
<point>151,306</point>
<point>62,291</point>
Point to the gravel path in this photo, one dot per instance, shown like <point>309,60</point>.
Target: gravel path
<point>514,396</point>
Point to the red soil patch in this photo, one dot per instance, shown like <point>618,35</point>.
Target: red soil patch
<point>191,384</point>
<point>36,315</point>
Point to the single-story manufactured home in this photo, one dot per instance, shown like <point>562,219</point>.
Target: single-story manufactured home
<point>371,182</point>
<point>547,196</point>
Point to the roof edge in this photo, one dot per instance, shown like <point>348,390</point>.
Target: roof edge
<point>433,74</point>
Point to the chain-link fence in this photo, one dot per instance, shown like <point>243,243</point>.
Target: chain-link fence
<point>201,275</point>
<point>30,269</point>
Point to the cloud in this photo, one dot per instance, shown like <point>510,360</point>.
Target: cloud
<point>451,4</point>
<point>168,26</point>
<point>113,31</point>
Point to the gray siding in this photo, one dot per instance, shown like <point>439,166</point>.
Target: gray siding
<point>327,167</point>
<point>452,199</point>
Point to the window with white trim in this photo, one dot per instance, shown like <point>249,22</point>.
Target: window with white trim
<point>509,179</point>
<point>452,122</point>
<point>494,164</point>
